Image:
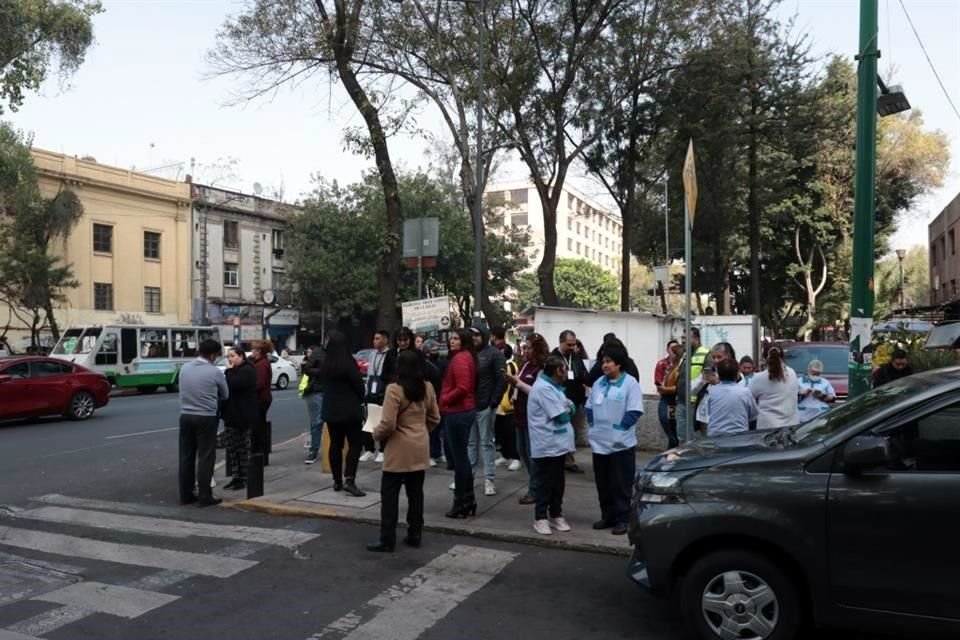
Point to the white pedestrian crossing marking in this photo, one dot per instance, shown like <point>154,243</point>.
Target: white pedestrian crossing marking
<point>407,609</point>
<point>13,635</point>
<point>166,527</point>
<point>104,598</point>
<point>131,554</point>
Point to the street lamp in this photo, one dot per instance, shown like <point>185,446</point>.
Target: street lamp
<point>901,254</point>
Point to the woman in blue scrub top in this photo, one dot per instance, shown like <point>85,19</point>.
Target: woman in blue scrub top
<point>613,408</point>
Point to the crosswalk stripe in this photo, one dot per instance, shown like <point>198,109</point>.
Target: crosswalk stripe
<point>105,598</point>
<point>410,607</point>
<point>13,635</point>
<point>130,554</point>
<point>166,527</point>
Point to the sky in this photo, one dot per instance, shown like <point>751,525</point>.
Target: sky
<point>144,99</point>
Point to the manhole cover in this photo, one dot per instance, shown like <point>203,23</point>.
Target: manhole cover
<point>22,580</point>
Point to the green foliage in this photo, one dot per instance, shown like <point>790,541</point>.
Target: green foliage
<point>37,36</point>
<point>580,284</point>
<point>32,280</point>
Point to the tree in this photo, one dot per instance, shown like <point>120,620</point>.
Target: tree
<point>32,281</point>
<point>580,284</point>
<point>37,36</point>
<point>284,42</point>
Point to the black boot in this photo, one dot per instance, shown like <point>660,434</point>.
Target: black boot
<point>413,538</point>
<point>469,505</point>
<point>351,488</point>
<point>455,509</point>
<point>381,546</point>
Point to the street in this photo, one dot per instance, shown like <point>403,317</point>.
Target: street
<point>93,545</point>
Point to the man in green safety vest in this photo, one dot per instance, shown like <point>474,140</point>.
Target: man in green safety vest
<point>697,361</point>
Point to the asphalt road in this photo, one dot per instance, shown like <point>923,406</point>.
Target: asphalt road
<point>93,545</point>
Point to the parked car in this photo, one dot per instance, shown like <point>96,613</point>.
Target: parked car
<point>363,358</point>
<point>841,521</point>
<point>35,386</point>
<point>283,370</point>
<point>835,357</point>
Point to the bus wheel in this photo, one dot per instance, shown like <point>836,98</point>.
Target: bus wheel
<point>147,389</point>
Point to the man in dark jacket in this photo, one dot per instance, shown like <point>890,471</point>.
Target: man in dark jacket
<point>491,383</point>
<point>313,396</point>
<point>575,389</point>
<point>898,367</point>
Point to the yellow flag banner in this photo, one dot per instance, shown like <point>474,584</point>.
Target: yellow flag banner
<point>690,183</point>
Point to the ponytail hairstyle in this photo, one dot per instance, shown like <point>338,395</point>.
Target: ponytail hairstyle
<point>775,367</point>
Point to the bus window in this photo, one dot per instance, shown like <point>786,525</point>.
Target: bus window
<point>208,334</point>
<point>108,352</point>
<point>154,343</point>
<point>128,340</point>
<point>68,341</point>
<point>88,341</point>
<point>184,343</point>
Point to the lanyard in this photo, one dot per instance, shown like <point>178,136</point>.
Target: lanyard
<point>378,363</point>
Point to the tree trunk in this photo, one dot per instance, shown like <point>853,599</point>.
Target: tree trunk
<point>549,199</point>
<point>52,321</point>
<point>726,307</point>
<point>626,219</point>
<point>753,212</point>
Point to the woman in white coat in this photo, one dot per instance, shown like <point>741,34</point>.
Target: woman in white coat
<point>776,391</point>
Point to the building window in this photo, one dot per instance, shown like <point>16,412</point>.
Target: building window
<point>519,220</point>
<point>278,239</point>
<point>103,296</point>
<point>279,279</point>
<point>953,288</point>
<point>518,196</point>
<point>569,244</point>
<point>578,248</point>
<point>231,234</point>
<point>151,245</point>
<point>578,228</point>
<point>933,254</point>
<point>953,244</point>
<point>151,299</point>
<point>231,275</point>
<point>569,223</point>
<point>497,197</point>
<point>102,238</point>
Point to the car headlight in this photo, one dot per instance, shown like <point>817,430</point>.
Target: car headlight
<point>662,488</point>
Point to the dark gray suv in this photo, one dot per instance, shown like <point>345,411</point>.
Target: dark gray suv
<point>849,520</point>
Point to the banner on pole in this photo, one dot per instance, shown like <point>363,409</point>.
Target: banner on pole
<point>690,183</point>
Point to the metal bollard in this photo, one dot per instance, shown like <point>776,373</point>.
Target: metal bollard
<point>255,476</point>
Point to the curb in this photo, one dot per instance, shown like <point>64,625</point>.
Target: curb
<point>275,509</point>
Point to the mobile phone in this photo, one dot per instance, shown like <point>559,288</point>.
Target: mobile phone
<point>709,371</point>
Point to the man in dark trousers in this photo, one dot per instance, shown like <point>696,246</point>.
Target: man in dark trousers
<point>575,389</point>
<point>202,388</point>
<point>491,384</point>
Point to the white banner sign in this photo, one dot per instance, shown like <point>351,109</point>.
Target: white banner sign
<point>431,314</point>
<point>282,318</point>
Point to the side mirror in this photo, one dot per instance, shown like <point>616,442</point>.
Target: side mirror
<point>864,452</point>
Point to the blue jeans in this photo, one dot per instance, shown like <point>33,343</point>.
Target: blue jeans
<point>523,450</point>
<point>482,441</point>
<point>669,428</point>
<point>315,408</point>
<point>457,427</point>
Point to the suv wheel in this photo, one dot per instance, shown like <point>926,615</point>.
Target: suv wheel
<point>739,595</point>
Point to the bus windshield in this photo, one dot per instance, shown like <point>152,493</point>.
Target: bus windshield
<point>77,341</point>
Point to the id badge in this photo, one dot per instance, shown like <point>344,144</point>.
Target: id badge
<point>516,391</point>
<point>598,401</point>
<point>569,374</point>
<point>373,387</point>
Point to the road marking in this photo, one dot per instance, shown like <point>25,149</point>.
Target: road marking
<point>6,634</point>
<point>140,556</point>
<point>105,598</point>
<point>140,433</point>
<point>166,527</point>
<point>407,609</point>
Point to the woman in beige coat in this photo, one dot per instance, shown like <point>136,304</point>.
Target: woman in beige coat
<point>410,413</point>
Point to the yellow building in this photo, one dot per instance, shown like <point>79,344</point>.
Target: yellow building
<point>130,251</point>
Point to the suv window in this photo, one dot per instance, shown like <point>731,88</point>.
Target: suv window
<point>834,359</point>
<point>928,444</point>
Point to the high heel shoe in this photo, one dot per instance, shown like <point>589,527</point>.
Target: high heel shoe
<point>462,509</point>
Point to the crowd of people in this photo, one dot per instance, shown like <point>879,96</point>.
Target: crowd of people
<point>534,406</point>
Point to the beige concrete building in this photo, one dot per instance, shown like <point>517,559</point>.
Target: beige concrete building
<point>584,228</point>
<point>131,250</point>
<point>944,261</point>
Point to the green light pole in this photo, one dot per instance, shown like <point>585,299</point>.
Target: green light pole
<point>862,294</point>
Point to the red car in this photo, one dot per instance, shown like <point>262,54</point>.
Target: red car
<point>833,355</point>
<point>32,386</point>
<point>363,358</point>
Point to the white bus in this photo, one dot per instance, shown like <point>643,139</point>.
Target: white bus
<point>134,356</point>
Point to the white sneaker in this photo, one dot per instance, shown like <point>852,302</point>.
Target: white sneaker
<point>442,460</point>
<point>213,482</point>
<point>306,441</point>
<point>542,527</point>
<point>489,489</point>
<point>453,486</point>
<point>379,457</point>
<point>559,524</point>
<point>500,461</point>
<point>433,462</point>
<point>366,456</point>
<point>514,465</point>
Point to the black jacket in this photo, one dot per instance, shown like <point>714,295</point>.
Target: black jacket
<point>885,374</point>
<point>313,370</point>
<point>242,408</point>
<point>490,381</point>
<point>574,388</point>
<point>596,372</point>
<point>343,395</point>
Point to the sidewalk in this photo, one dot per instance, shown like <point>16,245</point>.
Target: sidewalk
<point>296,489</point>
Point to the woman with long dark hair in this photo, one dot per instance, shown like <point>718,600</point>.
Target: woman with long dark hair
<point>240,413</point>
<point>458,405</point>
<point>535,354</point>
<point>776,391</point>
<point>410,412</point>
<point>343,411</point>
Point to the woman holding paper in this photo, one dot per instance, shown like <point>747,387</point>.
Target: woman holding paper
<point>343,411</point>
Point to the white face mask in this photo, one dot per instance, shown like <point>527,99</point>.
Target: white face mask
<point>815,378</point>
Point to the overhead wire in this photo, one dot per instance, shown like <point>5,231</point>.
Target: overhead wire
<point>929,61</point>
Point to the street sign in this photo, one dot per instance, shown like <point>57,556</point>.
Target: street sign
<point>429,314</point>
<point>421,237</point>
<point>690,182</point>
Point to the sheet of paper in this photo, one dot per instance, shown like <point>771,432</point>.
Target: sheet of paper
<point>373,417</point>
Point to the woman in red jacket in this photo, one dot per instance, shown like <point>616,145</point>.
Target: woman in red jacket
<point>260,350</point>
<point>458,406</point>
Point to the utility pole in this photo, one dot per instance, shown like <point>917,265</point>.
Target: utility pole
<point>862,291</point>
